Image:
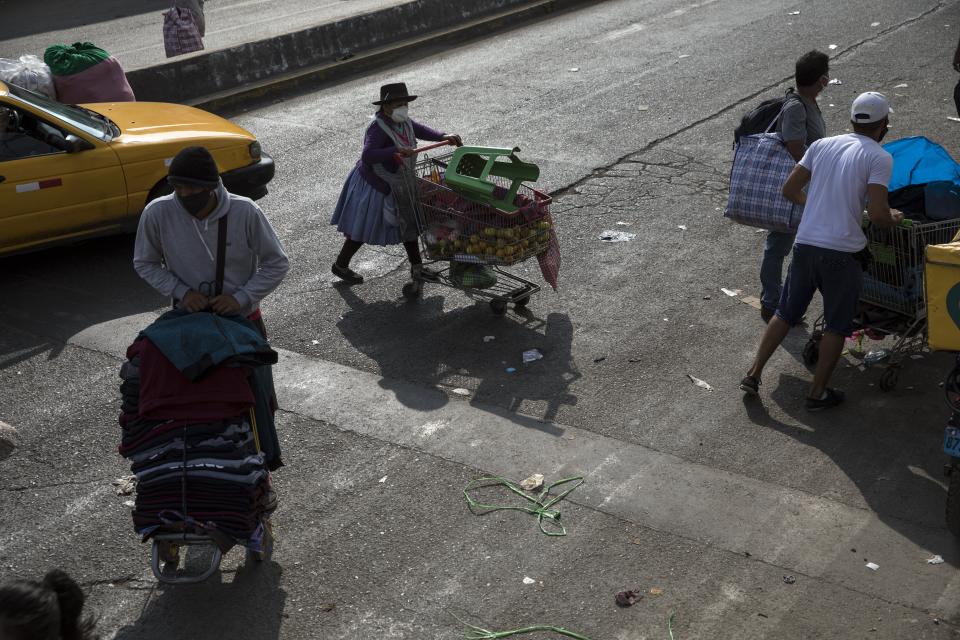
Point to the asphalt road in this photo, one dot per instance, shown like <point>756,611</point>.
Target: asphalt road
<point>705,498</point>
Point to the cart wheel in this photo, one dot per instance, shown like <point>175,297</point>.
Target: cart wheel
<point>412,290</point>
<point>499,307</point>
<point>811,352</point>
<point>888,381</point>
<point>953,504</point>
<point>266,552</point>
<point>522,302</point>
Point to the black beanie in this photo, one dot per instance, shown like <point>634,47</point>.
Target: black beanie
<point>194,166</point>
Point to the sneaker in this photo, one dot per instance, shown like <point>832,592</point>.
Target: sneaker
<point>766,313</point>
<point>346,274</point>
<point>420,272</point>
<point>831,398</point>
<point>750,386</point>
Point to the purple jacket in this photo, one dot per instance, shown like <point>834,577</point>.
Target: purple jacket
<point>378,148</point>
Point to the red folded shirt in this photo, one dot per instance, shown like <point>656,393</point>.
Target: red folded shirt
<point>166,394</point>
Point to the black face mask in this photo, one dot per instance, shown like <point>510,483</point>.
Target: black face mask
<point>195,203</point>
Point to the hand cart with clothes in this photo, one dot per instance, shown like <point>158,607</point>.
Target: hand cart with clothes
<point>474,213</point>
<point>925,186</point>
<point>197,427</point>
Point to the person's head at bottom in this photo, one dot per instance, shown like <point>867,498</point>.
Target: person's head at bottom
<point>195,179</point>
<point>47,610</point>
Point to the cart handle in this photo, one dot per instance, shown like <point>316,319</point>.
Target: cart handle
<point>429,147</point>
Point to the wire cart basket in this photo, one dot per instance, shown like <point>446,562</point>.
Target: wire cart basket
<point>473,240</point>
<point>892,299</point>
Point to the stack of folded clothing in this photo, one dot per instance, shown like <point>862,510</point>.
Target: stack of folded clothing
<point>198,441</point>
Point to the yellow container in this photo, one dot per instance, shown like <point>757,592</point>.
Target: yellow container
<point>942,278</point>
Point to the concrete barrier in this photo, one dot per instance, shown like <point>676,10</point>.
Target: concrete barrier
<point>289,56</point>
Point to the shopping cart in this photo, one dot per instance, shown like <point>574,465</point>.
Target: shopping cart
<point>892,299</point>
<point>472,234</point>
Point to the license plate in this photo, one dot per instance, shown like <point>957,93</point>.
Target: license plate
<point>951,441</point>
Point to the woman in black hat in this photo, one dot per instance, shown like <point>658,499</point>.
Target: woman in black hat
<point>374,207</point>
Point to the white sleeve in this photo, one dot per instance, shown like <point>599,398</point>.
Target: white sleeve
<point>881,168</point>
<point>809,156</point>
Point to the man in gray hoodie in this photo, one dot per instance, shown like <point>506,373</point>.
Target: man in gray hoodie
<point>177,242</point>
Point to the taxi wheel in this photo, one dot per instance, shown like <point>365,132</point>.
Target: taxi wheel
<point>159,190</point>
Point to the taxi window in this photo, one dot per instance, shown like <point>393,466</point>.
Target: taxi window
<point>22,136</point>
<point>83,119</point>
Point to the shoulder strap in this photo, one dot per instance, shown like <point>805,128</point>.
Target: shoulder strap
<point>786,100</point>
<point>221,253</point>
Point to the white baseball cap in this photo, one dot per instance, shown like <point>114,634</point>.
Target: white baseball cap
<point>870,107</point>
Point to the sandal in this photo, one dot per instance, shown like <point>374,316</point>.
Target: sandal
<point>750,386</point>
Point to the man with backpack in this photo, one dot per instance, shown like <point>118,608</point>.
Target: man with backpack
<point>799,123</point>
<point>843,173</point>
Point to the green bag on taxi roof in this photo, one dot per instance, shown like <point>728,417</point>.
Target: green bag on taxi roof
<point>66,60</point>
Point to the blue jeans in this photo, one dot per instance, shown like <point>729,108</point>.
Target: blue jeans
<point>776,249</point>
<point>837,275</point>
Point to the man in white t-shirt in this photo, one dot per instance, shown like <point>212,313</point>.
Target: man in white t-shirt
<point>844,172</point>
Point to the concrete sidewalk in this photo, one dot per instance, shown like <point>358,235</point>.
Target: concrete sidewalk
<point>133,31</point>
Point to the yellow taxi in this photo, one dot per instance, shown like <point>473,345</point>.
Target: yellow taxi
<point>71,172</point>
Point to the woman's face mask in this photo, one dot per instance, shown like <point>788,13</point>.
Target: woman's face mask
<point>400,114</point>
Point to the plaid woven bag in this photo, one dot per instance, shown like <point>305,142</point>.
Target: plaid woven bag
<point>180,32</point>
<point>761,165</point>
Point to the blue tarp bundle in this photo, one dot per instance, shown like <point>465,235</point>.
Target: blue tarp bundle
<point>918,160</point>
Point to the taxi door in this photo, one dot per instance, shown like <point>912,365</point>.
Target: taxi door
<point>48,194</point>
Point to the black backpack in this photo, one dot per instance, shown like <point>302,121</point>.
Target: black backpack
<point>761,118</point>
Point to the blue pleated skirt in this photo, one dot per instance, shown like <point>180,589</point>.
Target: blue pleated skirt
<point>359,213</point>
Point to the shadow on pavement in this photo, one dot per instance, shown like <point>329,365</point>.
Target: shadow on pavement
<point>50,296</point>
<point>251,606</point>
<point>891,454</point>
<point>421,343</point>
<point>27,18</point>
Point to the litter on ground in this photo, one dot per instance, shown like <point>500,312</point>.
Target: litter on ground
<point>489,338</point>
<point>954,118</point>
<point>462,392</point>
<point>902,85</point>
<point>874,24</point>
<point>935,560</point>
<point>126,485</point>
<point>573,69</point>
<point>656,591</point>
<point>835,81</point>
<point>733,293</point>
<point>617,236</point>
<point>873,566</point>
<point>789,580</point>
<point>682,227</point>
<point>532,483</point>
<point>532,356</point>
<point>703,384</point>
<point>628,597</point>
<point>382,480</point>
<point>528,580</point>
<point>623,224</point>
<point>794,13</point>
<point>832,47</point>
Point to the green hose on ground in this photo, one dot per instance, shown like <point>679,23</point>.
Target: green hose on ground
<point>541,504</point>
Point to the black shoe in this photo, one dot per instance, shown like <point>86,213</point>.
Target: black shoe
<point>420,272</point>
<point>750,386</point>
<point>831,398</point>
<point>346,274</point>
<point>767,314</point>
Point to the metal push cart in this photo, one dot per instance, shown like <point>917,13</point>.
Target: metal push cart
<point>892,300</point>
<point>488,221</point>
<point>179,530</point>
